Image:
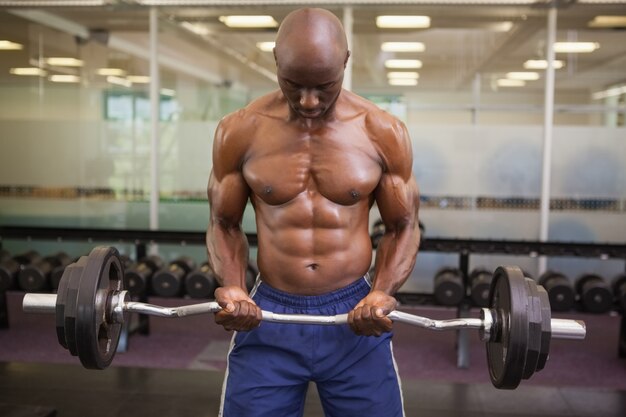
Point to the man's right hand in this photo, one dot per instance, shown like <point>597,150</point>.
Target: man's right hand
<point>239,312</point>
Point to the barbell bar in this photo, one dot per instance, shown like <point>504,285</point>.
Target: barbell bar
<point>91,304</point>
<point>46,304</point>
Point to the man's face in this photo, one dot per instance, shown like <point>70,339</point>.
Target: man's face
<point>310,90</point>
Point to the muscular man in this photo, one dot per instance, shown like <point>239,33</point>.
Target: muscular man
<point>312,159</point>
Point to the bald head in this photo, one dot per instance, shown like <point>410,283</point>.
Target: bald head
<point>311,37</point>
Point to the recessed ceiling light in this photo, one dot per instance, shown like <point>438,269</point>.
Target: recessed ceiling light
<point>28,71</point>
<point>542,64</point>
<point>249,21</point>
<point>138,79</point>
<point>64,78</point>
<point>63,62</point>
<point>404,75</point>
<point>608,22</point>
<point>402,47</point>
<point>10,46</point>
<point>526,76</point>
<point>403,22</point>
<point>403,63</point>
<point>266,46</point>
<point>611,92</point>
<point>575,47</point>
<point>197,28</point>
<point>111,79</point>
<point>402,81</point>
<point>505,82</point>
<point>111,71</point>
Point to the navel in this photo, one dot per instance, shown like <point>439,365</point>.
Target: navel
<point>313,267</point>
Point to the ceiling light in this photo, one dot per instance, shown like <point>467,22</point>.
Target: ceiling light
<point>410,75</point>
<point>500,26</point>
<point>111,71</point>
<point>505,82</point>
<point>64,78</point>
<point>28,71</point>
<point>10,46</point>
<point>63,62</point>
<point>138,79</point>
<point>266,46</point>
<point>608,22</point>
<point>196,28</point>
<point>249,21</point>
<point>526,76</point>
<point>403,63</point>
<point>575,47</point>
<point>542,64</point>
<point>168,92</point>
<point>402,47</point>
<point>615,91</point>
<point>111,79</point>
<point>403,22</point>
<point>402,81</point>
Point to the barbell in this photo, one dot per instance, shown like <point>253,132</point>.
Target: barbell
<point>91,304</point>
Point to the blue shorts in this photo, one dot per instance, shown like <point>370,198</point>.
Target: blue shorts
<point>270,367</point>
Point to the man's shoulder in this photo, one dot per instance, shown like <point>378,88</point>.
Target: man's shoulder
<point>248,117</point>
<point>375,117</point>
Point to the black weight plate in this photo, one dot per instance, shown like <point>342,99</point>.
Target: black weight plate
<point>506,354</point>
<point>546,328</point>
<point>71,305</point>
<point>96,336</point>
<point>72,272</point>
<point>534,329</point>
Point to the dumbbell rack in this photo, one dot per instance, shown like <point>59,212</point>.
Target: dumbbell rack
<point>464,247</point>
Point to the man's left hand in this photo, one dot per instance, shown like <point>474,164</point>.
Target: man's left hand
<point>369,317</point>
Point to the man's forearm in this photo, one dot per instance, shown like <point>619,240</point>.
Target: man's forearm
<point>228,254</point>
<point>395,258</point>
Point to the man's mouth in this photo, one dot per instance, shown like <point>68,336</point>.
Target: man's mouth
<point>310,114</point>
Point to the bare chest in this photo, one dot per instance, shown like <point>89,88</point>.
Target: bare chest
<point>340,165</point>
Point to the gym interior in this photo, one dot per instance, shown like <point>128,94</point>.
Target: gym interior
<point>516,112</point>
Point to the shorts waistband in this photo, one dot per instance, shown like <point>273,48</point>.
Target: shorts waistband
<point>360,287</point>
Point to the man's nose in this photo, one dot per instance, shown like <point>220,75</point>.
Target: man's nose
<point>309,99</point>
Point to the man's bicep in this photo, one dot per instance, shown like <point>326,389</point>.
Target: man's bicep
<point>397,200</point>
<point>228,197</point>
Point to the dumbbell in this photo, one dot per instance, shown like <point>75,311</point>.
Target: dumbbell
<point>449,288</point>
<point>619,289</point>
<point>137,277</point>
<point>36,276</point>
<point>595,295</point>
<point>479,282</point>
<point>560,290</point>
<point>10,268</point>
<point>169,281</point>
<point>201,282</point>
<point>91,305</point>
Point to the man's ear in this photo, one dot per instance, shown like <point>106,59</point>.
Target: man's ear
<point>345,63</point>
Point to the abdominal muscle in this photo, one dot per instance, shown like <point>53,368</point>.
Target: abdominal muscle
<point>312,249</point>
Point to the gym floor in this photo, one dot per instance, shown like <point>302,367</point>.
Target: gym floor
<point>178,369</point>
